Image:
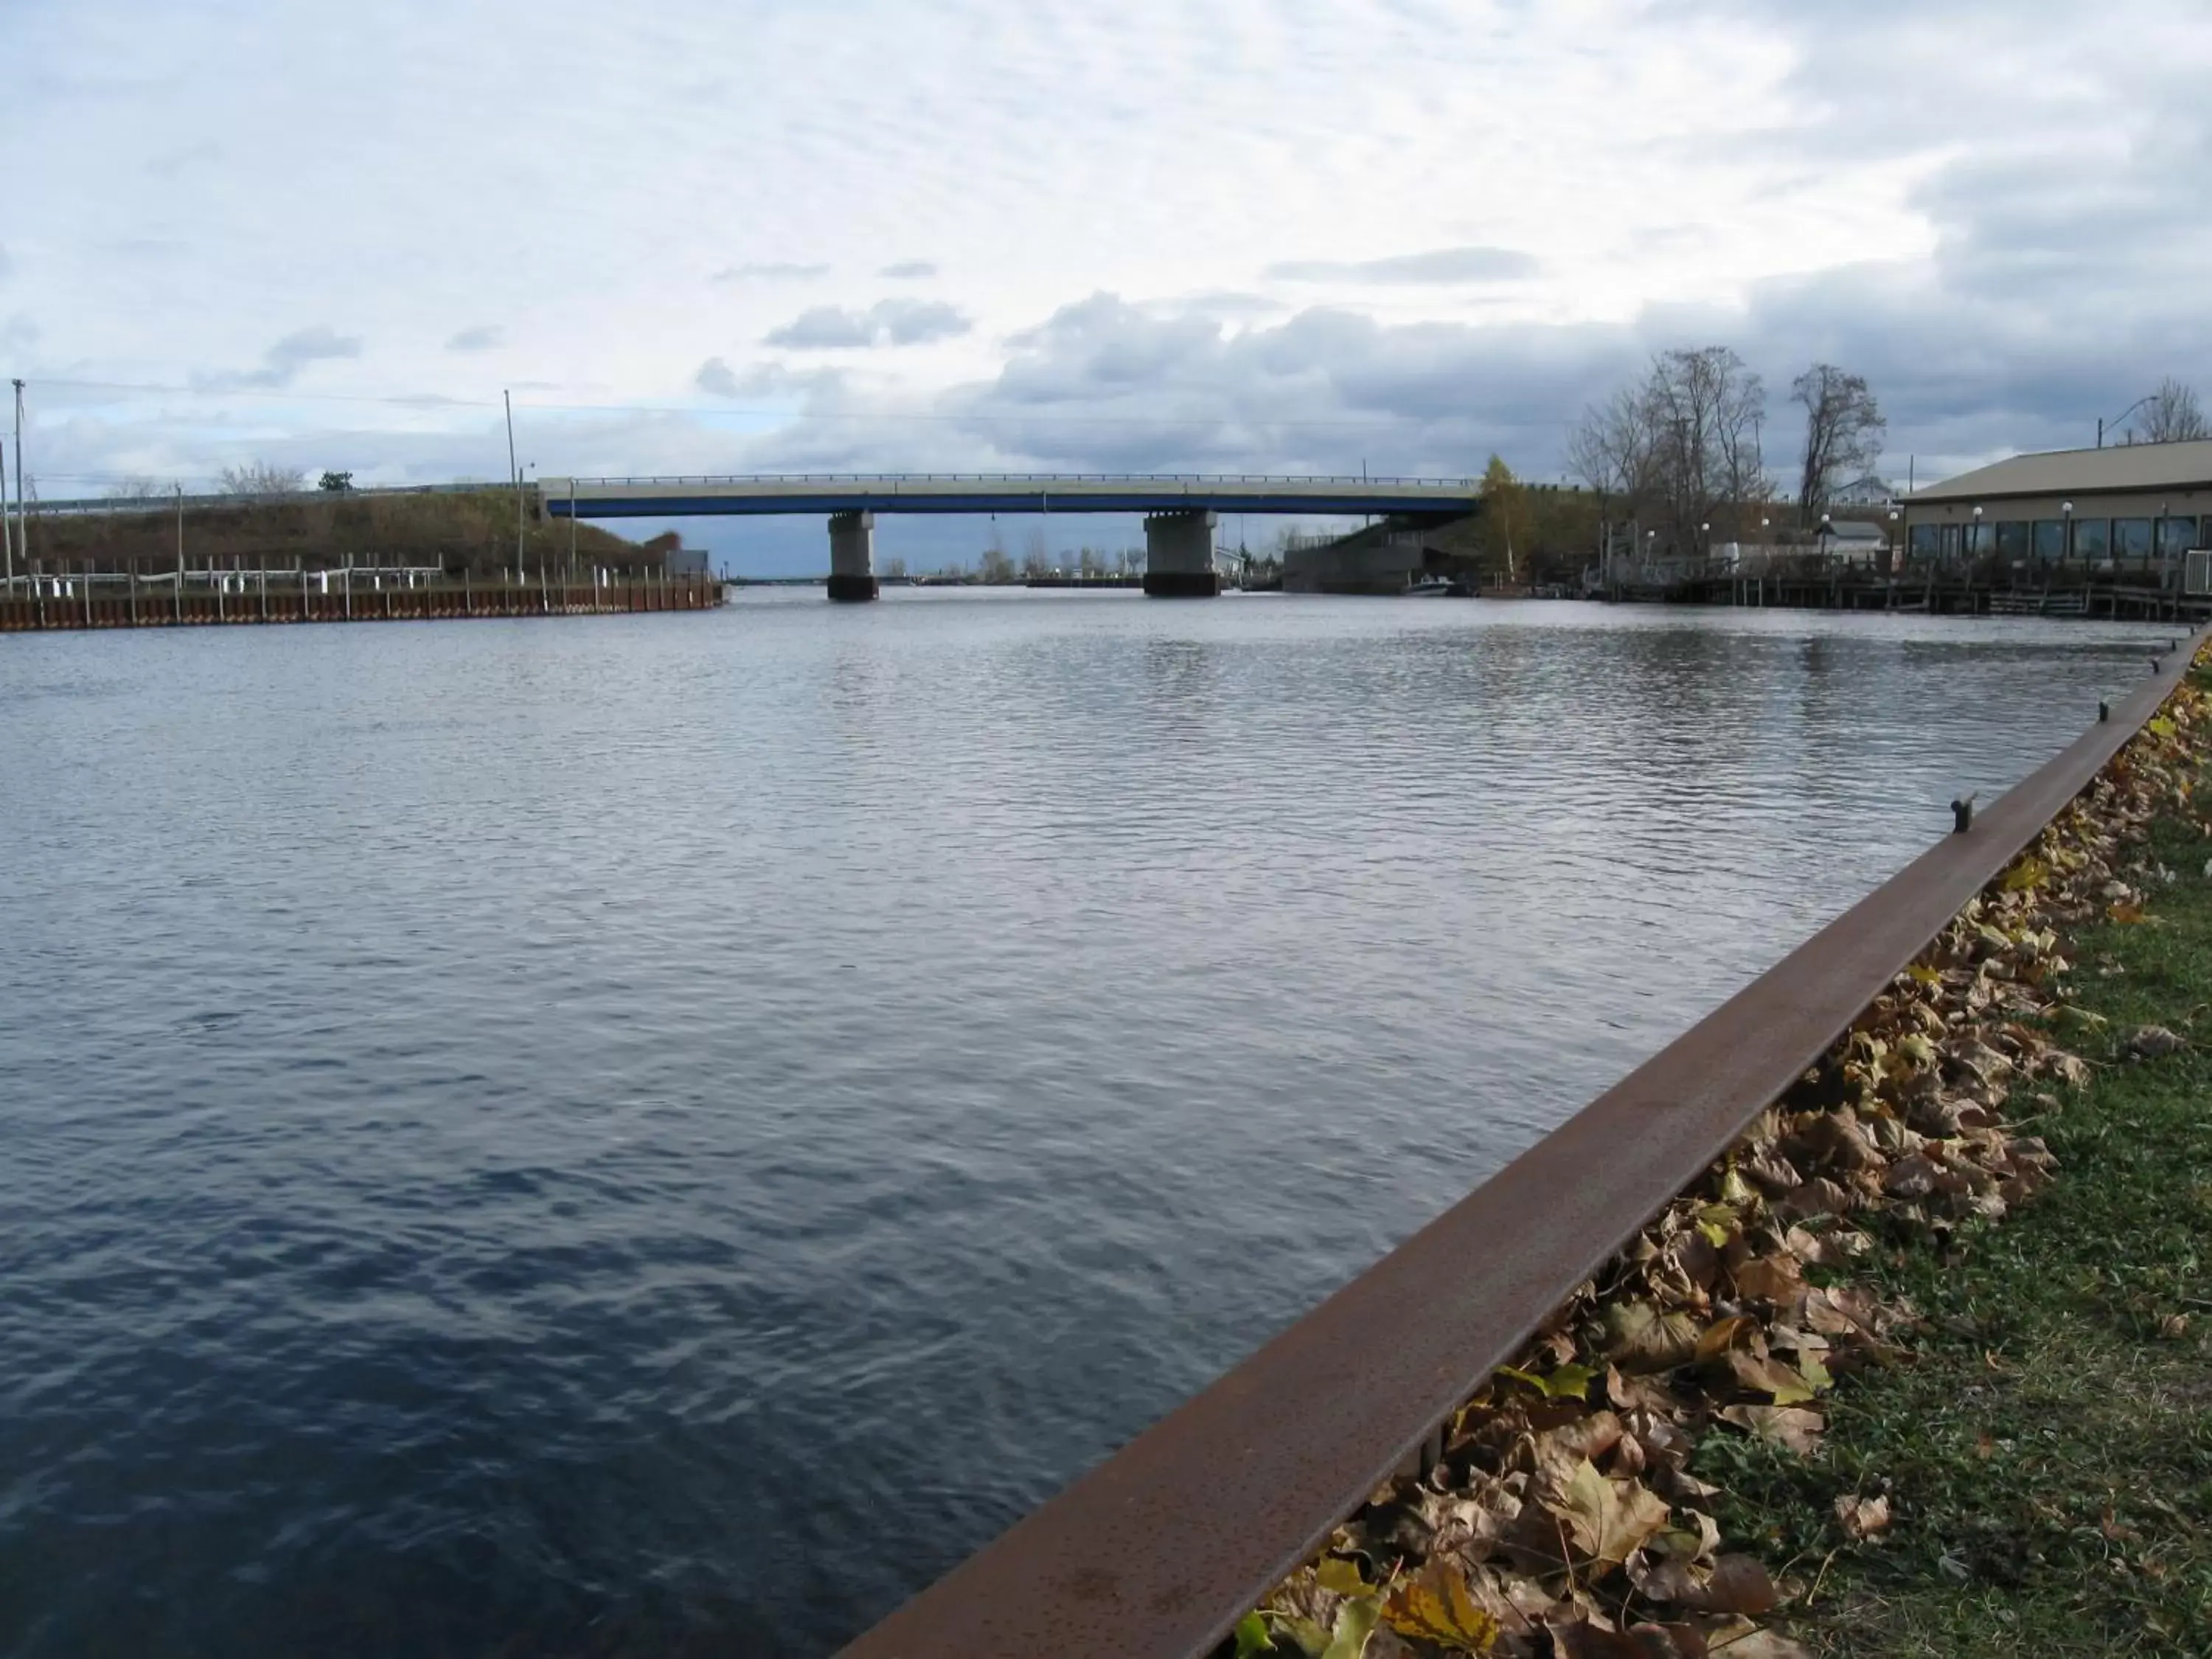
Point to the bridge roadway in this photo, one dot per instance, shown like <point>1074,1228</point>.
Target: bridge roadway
<point>1181,510</point>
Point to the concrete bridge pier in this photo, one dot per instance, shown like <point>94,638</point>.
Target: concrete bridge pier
<point>1179,555</point>
<point>852,556</point>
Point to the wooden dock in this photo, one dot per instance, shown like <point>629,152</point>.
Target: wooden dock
<point>2118,598</point>
<point>127,600</point>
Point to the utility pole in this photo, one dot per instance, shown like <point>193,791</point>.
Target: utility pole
<point>179,609</point>
<point>514,472</point>
<point>7,528</point>
<point>23,526</point>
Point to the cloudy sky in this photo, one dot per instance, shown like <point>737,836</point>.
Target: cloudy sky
<point>1290,236</point>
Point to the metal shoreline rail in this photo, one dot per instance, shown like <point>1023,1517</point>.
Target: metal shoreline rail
<point>1158,1551</point>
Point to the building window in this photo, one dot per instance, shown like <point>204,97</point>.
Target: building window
<point>2131,539</point>
<point>2050,538</point>
<point>1926,541</point>
<point>1951,540</point>
<point>2012,539</point>
<point>2176,537</point>
<point>1981,539</point>
<point>2092,538</point>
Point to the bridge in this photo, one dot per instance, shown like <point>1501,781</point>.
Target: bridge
<point>1180,509</point>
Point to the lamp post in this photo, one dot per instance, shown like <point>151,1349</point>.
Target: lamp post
<point>2065,532</point>
<point>2122,415</point>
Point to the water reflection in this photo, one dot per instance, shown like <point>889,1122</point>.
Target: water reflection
<point>663,1132</point>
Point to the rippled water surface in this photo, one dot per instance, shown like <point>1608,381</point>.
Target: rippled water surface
<point>657,1133</point>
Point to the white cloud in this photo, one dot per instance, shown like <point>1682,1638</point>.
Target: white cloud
<point>477,336</point>
<point>283,362</point>
<point>1998,208</point>
<point>908,270</point>
<point>888,322</point>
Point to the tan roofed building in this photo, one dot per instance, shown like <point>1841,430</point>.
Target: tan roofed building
<point>2134,507</point>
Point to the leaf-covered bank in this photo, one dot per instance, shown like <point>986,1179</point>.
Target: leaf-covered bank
<point>1782,1418</point>
<point>2046,1454</point>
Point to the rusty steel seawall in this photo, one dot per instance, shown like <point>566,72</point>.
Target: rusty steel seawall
<point>1158,1551</point>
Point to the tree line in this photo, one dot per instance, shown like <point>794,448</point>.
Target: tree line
<point>1679,450</point>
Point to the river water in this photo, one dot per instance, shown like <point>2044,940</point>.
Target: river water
<point>659,1134</point>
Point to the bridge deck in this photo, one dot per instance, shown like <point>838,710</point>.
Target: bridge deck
<point>683,497</point>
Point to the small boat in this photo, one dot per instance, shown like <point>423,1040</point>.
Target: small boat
<point>1429,587</point>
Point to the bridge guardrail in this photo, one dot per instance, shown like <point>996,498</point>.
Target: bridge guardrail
<point>1155,1552</point>
<point>555,486</point>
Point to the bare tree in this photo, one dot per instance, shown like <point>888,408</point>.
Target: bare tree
<point>263,478</point>
<point>133,488</point>
<point>1843,428</point>
<point>1681,449</point>
<point>1036,557</point>
<point>1610,450</point>
<point>2171,415</point>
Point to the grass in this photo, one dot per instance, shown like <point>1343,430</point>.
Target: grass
<point>2046,1447</point>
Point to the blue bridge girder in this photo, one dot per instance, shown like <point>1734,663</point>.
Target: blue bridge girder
<point>981,493</point>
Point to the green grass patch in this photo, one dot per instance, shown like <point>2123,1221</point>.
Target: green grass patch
<point>2046,1447</point>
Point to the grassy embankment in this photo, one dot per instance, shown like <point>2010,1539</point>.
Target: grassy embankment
<point>1919,1367</point>
<point>2045,1443</point>
<point>473,532</point>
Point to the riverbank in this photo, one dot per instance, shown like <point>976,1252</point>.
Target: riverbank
<point>2046,1453</point>
<point>455,531</point>
<point>1684,1462</point>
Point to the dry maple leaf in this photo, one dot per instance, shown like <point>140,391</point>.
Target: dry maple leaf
<point>1608,1521</point>
<point>1435,1605</point>
<point>1793,1428</point>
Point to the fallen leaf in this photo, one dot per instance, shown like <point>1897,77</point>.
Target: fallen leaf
<point>1434,1605</point>
<point>1608,1521</point>
<point>1355,1622</point>
<point>1341,1578</point>
<point>2071,1069</point>
<point>1740,1586</point>
<point>1718,1337</point>
<point>1569,1382</point>
<point>2154,1042</point>
<point>1774,1278</point>
<point>1769,1376</point>
<point>1760,1645</point>
<point>1817,1197</point>
<point>1633,1393</point>
<point>1862,1518</point>
<point>1585,1640</point>
<point>2173,1327</point>
<point>1911,1177</point>
<point>1252,1637</point>
<point>1793,1428</point>
<point>1831,1249</point>
<point>1638,1336</point>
